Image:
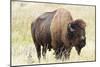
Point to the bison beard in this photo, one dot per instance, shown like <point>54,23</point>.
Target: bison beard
<point>76,34</point>
<point>59,31</point>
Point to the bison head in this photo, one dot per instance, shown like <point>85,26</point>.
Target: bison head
<point>76,34</point>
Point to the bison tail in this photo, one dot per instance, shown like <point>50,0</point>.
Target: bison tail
<point>33,26</point>
<point>33,31</point>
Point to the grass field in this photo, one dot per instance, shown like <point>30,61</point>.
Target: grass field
<point>23,49</point>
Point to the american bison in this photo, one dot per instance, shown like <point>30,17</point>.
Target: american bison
<point>59,31</point>
<point>41,34</point>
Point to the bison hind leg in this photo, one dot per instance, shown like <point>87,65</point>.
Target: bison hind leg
<point>44,49</point>
<point>38,49</point>
<point>49,47</point>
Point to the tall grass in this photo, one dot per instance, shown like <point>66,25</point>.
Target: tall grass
<point>24,13</point>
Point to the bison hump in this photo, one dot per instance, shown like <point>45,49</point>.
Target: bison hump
<point>46,15</point>
<point>60,20</point>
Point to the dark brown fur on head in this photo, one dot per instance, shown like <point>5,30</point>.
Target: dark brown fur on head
<point>76,34</point>
<point>80,23</point>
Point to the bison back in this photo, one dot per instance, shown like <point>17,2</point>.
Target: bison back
<point>41,28</point>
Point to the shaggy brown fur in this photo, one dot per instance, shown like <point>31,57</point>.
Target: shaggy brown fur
<point>63,37</point>
<point>59,31</point>
<point>41,35</point>
<point>77,37</point>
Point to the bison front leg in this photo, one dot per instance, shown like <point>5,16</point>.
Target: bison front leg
<point>69,50</point>
<point>66,53</point>
<point>57,54</point>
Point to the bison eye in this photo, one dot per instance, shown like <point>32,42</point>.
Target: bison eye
<point>71,35</point>
<point>74,26</point>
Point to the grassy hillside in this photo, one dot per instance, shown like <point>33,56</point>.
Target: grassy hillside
<point>23,49</point>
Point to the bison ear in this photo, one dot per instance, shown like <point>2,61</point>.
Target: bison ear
<point>70,27</point>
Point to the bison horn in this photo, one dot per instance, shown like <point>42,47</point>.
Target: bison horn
<point>71,29</point>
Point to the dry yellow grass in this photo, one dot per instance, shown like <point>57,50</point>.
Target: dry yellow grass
<point>23,49</point>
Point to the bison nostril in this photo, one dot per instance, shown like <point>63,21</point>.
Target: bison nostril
<point>82,37</point>
<point>82,43</point>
